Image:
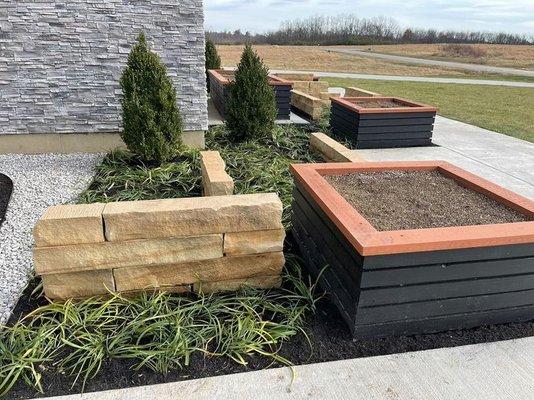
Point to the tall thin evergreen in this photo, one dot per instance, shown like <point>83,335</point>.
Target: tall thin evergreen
<point>152,125</point>
<point>213,60</point>
<point>251,109</point>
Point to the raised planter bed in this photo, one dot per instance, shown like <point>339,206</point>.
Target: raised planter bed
<point>220,92</point>
<point>6,188</point>
<point>379,122</point>
<point>435,275</point>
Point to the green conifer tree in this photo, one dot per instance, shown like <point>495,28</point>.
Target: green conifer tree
<point>251,109</point>
<point>152,125</point>
<point>213,60</point>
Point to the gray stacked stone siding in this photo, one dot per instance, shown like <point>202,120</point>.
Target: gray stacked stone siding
<point>60,61</point>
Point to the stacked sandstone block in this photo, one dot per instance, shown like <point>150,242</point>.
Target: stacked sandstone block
<point>310,96</point>
<point>215,180</point>
<point>331,150</point>
<point>175,245</point>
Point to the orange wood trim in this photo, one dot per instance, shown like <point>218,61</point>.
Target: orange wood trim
<point>351,103</point>
<point>368,241</point>
<point>217,75</point>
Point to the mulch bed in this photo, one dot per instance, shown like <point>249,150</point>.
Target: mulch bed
<point>6,188</point>
<point>330,340</point>
<point>382,104</point>
<point>397,200</point>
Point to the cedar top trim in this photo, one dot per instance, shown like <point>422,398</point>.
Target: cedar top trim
<point>411,106</point>
<point>370,242</point>
<point>223,75</point>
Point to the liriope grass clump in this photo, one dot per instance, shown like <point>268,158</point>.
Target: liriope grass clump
<point>157,331</point>
<point>123,176</point>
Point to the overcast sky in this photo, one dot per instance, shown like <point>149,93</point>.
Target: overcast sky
<point>486,15</point>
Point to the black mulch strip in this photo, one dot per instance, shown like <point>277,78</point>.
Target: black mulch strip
<point>6,188</point>
<point>330,341</point>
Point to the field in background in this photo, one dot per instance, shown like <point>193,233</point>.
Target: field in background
<point>502,109</point>
<point>497,55</point>
<point>316,58</point>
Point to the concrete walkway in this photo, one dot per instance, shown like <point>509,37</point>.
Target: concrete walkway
<point>499,158</point>
<point>350,75</point>
<point>501,370</point>
<point>437,63</point>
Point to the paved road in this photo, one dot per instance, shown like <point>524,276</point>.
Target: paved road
<point>500,370</point>
<point>350,75</point>
<point>438,63</point>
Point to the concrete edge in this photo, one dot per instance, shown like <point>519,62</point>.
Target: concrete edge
<point>65,143</point>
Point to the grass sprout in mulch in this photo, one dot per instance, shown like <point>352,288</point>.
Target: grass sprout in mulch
<point>156,331</point>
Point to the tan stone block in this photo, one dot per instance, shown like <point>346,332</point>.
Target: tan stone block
<point>192,216</point>
<point>331,149</point>
<point>108,255</point>
<point>263,282</point>
<point>215,180</point>
<point>169,289</point>
<point>301,86</point>
<point>225,268</point>
<point>70,224</point>
<point>255,242</point>
<point>357,92</point>
<point>78,284</point>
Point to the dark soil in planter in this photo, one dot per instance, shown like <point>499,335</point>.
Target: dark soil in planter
<point>382,104</point>
<point>330,340</point>
<point>397,200</point>
<point>6,188</point>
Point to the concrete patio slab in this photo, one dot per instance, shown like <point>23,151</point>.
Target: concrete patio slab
<point>500,370</point>
<point>501,159</point>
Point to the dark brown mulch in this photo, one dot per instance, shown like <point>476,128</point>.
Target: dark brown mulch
<point>6,188</point>
<point>396,200</point>
<point>382,104</point>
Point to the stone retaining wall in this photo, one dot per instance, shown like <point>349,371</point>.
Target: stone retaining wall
<point>176,245</point>
<point>60,61</point>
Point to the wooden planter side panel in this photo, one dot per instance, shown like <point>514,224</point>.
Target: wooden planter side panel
<point>327,254</point>
<point>384,129</point>
<point>220,94</point>
<point>414,293</point>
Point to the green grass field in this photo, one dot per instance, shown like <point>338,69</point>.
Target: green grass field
<point>507,110</point>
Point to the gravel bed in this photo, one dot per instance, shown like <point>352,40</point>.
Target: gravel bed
<point>39,182</point>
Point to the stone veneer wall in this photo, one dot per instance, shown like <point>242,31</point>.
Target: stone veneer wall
<point>176,245</point>
<point>60,61</point>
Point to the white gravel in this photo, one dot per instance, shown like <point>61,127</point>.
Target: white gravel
<point>39,182</point>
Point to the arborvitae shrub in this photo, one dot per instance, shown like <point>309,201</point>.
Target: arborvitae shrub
<point>213,60</point>
<point>152,125</point>
<point>251,109</point>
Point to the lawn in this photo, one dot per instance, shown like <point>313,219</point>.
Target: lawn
<point>506,110</point>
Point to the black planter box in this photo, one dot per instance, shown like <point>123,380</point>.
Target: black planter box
<point>220,92</point>
<point>410,124</point>
<point>413,281</point>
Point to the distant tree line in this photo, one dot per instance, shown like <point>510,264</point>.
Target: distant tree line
<point>351,30</point>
